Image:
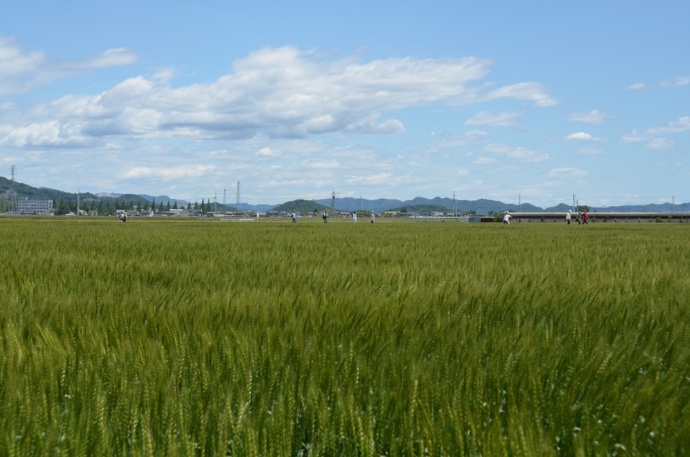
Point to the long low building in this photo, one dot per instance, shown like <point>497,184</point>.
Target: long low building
<point>596,216</point>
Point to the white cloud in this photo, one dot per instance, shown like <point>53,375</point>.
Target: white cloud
<point>634,137</point>
<point>660,143</point>
<point>519,153</point>
<point>581,136</point>
<point>677,82</point>
<point>22,70</point>
<point>110,58</point>
<point>268,152</point>
<point>370,124</point>
<point>46,134</point>
<point>566,173</point>
<point>637,86</point>
<point>484,160</point>
<point>168,173</point>
<point>593,117</point>
<point>682,81</point>
<point>320,165</point>
<point>278,92</point>
<point>534,92</point>
<point>376,179</point>
<point>681,125</point>
<point>505,119</point>
<point>19,70</point>
<point>281,92</point>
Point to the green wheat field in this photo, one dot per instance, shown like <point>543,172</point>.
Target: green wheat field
<point>203,338</point>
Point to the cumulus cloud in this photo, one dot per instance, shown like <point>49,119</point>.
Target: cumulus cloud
<point>19,70</point>
<point>46,134</point>
<point>505,119</point>
<point>581,136</point>
<point>22,70</point>
<point>637,86</point>
<point>278,92</point>
<point>593,117</point>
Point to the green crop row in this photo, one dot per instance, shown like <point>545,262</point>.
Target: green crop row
<point>161,337</point>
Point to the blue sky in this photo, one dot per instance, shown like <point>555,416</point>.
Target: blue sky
<point>515,101</point>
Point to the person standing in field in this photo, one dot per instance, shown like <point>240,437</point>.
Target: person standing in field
<point>325,217</point>
<point>354,217</point>
<point>373,217</point>
<point>585,217</point>
<point>567,218</point>
<point>294,218</point>
<point>506,218</point>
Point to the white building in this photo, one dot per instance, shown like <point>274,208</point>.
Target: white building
<point>27,206</point>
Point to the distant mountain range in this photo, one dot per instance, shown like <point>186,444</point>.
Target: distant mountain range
<point>417,205</point>
<point>482,206</point>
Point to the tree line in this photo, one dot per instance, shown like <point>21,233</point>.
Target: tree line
<point>110,207</point>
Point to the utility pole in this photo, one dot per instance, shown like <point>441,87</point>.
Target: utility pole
<point>454,207</point>
<point>332,202</point>
<point>238,198</point>
<point>13,192</point>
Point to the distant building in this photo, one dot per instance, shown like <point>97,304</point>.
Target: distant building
<point>27,206</point>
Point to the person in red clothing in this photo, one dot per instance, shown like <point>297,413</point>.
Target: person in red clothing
<point>585,217</point>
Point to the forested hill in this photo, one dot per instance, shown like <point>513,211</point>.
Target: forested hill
<point>26,191</point>
<point>301,206</point>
